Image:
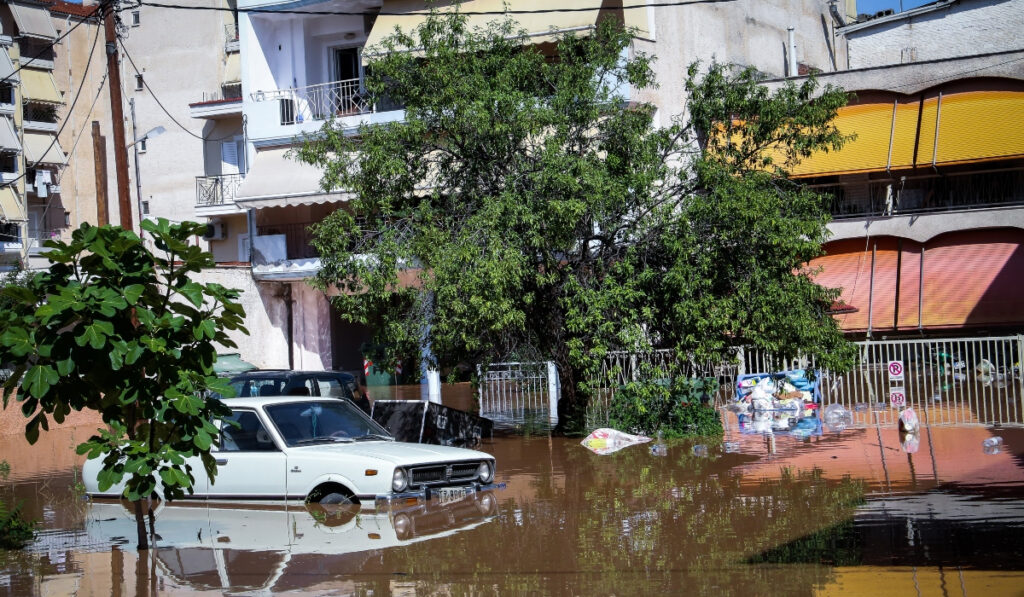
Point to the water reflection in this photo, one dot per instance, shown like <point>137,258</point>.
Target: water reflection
<point>851,511</point>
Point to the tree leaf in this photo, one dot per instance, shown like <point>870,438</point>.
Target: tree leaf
<point>39,379</point>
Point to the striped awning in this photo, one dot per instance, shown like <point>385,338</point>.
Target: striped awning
<point>7,70</point>
<point>39,86</point>
<point>939,129</point>
<point>8,138</point>
<point>41,148</point>
<point>10,206</point>
<point>275,180</point>
<point>233,69</point>
<point>33,21</point>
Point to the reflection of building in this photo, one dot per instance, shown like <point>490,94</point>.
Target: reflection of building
<point>928,218</point>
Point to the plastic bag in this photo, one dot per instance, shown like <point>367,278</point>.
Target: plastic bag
<point>605,441</point>
<point>908,421</point>
<point>837,417</point>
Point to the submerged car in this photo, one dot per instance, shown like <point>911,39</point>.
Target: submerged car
<point>322,450</point>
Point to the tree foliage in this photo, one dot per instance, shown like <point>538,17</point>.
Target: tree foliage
<point>524,208</point>
<point>113,328</point>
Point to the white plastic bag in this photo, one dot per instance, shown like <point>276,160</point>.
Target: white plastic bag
<point>605,441</point>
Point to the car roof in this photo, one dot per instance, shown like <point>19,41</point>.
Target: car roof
<point>262,401</point>
<point>279,373</point>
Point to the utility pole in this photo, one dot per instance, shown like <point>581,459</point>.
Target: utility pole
<point>124,201</point>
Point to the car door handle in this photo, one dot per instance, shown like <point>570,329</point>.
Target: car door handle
<point>222,461</point>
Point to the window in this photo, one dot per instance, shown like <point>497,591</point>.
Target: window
<point>145,208</point>
<point>6,93</point>
<point>249,435</point>
<point>142,145</point>
<point>139,83</point>
<point>136,18</point>
<point>10,232</point>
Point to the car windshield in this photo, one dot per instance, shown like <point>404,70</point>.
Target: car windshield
<point>304,423</point>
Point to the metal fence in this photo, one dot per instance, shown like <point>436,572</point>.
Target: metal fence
<point>519,393</point>
<point>217,190</point>
<point>318,102</point>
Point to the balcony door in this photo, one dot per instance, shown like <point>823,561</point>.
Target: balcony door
<point>346,92</point>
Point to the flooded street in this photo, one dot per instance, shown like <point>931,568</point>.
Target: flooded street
<point>840,513</point>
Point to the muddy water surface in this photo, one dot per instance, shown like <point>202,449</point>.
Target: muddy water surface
<point>855,512</point>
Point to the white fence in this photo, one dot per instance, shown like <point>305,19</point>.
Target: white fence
<point>518,393</point>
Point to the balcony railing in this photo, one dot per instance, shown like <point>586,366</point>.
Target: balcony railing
<point>217,190</point>
<point>230,33</point>
<point>318,102</point>
<point>298,238</point>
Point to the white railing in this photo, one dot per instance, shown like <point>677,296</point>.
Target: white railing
<point>518,393</point>
<point>318,102</point>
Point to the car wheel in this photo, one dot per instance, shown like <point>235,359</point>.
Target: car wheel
<point>332,499</point>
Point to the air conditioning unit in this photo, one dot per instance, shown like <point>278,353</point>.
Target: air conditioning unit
<point>216,230</point>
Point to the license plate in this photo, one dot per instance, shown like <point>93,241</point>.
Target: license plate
<point>448,495</point>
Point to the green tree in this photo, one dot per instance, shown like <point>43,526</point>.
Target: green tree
<point>113,328</point>
<point>524,208</point>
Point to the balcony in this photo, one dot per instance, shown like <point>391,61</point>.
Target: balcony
<point>40,117</point>
<point>231,37</point>
<point>297,239</point>
<point>36,238</point>
<point>215,195</point>
<point>318,102</point>
<point>283,252</point>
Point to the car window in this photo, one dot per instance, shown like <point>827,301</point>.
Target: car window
<point>248,435</point>
<point>323,422</point>
<point>333,387</point>
<point>262,386</point>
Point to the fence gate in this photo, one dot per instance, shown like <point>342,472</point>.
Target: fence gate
<point>519,393</point>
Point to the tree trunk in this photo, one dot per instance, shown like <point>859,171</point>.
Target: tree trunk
<point>140,525</point>
<point>572,404</point>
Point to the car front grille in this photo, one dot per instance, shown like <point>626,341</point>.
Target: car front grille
<point>455,473</point>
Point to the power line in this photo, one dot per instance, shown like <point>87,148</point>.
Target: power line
<point>414,13</point>
<point>157,99</point>
<point>23,64</point>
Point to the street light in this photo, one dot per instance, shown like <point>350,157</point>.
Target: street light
<point>153,132</point>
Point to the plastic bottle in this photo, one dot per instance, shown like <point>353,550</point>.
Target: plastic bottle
<point>993,441</point>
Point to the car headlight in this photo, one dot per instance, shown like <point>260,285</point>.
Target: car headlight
<point>399,481</point>
<point>485,472</point>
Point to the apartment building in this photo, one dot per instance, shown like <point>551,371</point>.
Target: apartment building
<point>31,157</point>
<point>928,200</point>
<point>297,70</point>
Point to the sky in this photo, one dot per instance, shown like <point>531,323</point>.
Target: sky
<point>873,6</point>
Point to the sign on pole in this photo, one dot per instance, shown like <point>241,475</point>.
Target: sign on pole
<point>897,397</point>
<point>895,371</point>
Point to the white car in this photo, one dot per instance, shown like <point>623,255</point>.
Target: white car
<point>323,450</point>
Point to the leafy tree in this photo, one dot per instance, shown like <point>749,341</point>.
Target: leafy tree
<point>114,328</point>
<point>523,208</point>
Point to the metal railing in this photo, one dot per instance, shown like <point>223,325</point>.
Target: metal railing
<point>517,393</point>
<point>949,381</point>
<point>217,190</point>
<point>230,32</point>
<point>318,102</point>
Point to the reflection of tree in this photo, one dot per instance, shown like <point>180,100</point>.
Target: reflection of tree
<point>629,523</point>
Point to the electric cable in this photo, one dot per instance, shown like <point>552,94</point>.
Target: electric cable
<point>157,99</point>
<point>50,46</point>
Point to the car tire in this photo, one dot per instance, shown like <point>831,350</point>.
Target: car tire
<point>334,499</point>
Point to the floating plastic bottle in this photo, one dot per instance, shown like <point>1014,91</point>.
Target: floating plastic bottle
<point>992,442</point>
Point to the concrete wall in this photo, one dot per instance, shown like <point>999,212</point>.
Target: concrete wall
<point>959,28</point>
<point>182,64</point>
<point>744,32</point>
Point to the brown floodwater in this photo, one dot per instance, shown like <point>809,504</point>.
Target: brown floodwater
<point>853,512</point>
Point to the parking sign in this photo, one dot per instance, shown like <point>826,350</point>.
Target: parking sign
<point>895,370</point>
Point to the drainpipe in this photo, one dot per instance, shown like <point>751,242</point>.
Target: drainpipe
<point>289,323</point>
<point>920,294</point>
<point>871,287</point>
<point>792,51</point>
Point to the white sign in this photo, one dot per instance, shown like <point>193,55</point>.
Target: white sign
<point>897,397</point>
<point>895,370</point>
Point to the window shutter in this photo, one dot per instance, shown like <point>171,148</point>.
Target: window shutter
<point>229,157</point>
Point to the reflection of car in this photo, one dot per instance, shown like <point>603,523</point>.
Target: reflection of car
<point>323,450</point>
<point>281,548</point>
<point>285,382</point>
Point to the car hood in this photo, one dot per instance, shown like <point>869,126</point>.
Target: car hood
<point>398,453</point>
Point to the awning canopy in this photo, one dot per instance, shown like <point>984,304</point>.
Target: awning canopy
<point>275,180</point>
<point>9,205</point>
<point>7,70</point>
<point>39,86</point>
<point>231,364</point>
<point>233,69</point>
<point>943,129</point>
<point>542,25</point>
<point>41,148</point>
<point>8,138</point>
<point>33,21</point>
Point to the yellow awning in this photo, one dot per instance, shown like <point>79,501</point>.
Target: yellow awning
<point>542,26</point>
<point>39,86</point>
<point>41,148</point>
<point>8,138</point>
<point>233,69</point>
<point>945,129</point>
<point>9,205</point>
